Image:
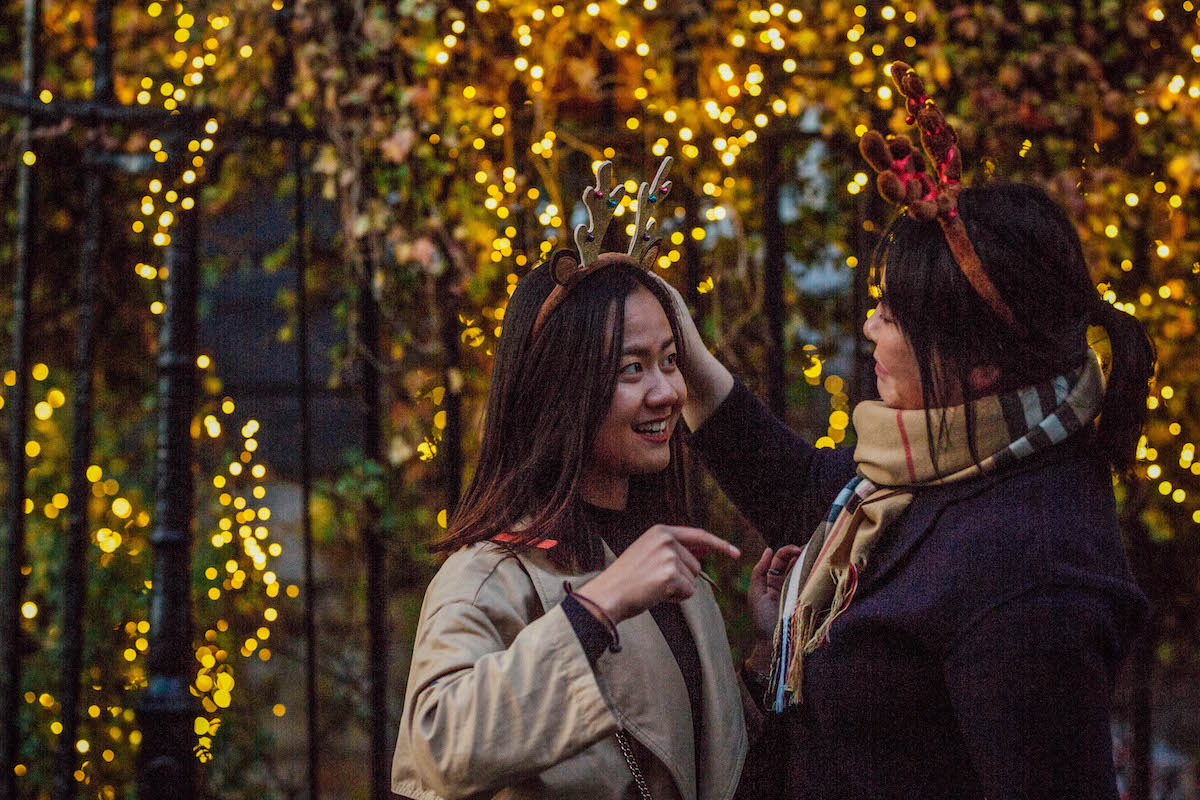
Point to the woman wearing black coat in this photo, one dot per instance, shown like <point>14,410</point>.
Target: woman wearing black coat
<point>955,626</point>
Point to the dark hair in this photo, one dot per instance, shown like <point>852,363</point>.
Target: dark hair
<point>546,402</point>
<point>1031,251</point>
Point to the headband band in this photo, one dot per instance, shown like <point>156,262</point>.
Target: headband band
<point>903,179</point>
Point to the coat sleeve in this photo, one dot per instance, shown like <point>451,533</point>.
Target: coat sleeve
<point>782,484</point>
<point>1030,681</point>
<point>493,698</point>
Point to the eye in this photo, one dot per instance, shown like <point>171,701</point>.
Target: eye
<point>671,359</point>
<point>631,369</point>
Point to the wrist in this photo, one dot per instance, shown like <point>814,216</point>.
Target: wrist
<point>606,599</point>
<point>709,383</point>
<point>597,613</point>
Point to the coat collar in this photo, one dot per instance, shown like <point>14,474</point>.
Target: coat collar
<point>661,720</point>
<point>919,518</point>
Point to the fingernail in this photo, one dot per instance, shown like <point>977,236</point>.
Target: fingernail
<point>733,551</point>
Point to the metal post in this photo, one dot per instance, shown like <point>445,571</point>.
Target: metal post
<point>869,208</point>
<point>376,564</point>
<point>74,577</point>
<point>1142,560</point>
<point>284,80</point>
<point>166,766</point>
<point>773,264</point>
<point>448,304</point>
<point>310,629</point>
<point>697,501</point>
<point>14,579</point>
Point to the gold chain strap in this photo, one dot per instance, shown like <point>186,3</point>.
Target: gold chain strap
<point>627,751</point>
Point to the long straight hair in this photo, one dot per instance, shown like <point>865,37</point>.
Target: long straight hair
<point>548,396</point>
<point>1031,251</point>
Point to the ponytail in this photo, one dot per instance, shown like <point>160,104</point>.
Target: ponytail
<point>1123,412</point>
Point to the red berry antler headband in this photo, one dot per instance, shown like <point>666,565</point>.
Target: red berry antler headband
<point>903,180</point>
<point>569,267</point>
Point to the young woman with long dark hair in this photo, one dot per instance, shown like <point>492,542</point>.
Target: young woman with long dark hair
<point>567,647</point>
<point>956,623</point>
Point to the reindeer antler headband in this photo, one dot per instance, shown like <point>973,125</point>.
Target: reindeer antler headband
<point>601,201</point>
<point>903,180</point>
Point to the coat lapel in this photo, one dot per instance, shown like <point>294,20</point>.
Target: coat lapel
<point>908,530</point>
<point>661,719</point>
<point>905,532</point>
<point>918,520</point>
<point>724,741</point>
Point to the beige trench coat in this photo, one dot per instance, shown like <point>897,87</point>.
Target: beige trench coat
<point>502,703</point>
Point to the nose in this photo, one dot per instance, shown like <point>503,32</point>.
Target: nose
<point>869,324</point>
<point>663,391</point>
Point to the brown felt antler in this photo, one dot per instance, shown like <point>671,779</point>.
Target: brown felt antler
<point>903,179</point>
<point>644,240</point>
<point>570,267</point>
<point>601,203</point>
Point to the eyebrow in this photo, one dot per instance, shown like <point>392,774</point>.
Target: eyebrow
<point>637,351</point>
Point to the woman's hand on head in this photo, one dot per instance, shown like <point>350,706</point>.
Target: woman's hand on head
<point>662,565</point>
<point>766,582</point>
<point>708,382</point>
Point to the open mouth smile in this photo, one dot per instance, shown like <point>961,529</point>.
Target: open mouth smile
<point>656,431</point>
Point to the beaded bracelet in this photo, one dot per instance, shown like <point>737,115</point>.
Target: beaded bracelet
<point>615,645</point>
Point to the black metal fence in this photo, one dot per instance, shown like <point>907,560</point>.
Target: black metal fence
<point>166,765</point>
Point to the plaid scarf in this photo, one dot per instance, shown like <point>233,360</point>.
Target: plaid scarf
<point>894,461</point>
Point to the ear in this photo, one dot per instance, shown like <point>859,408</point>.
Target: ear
<point>651,255</point>
<point>983,379</point>
<point>563,266</point>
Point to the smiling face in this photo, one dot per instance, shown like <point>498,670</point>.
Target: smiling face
<point>634,438</point>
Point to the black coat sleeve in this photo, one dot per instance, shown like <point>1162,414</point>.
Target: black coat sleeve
<point>1030,682</point>
<point>593,636</point>
<point>783,485</point>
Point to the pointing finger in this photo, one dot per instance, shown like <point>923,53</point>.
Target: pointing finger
<point>700,543</point>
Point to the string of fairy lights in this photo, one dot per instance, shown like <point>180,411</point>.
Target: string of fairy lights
<point>710,133</point>
<point>1174,294</point>
<point>730,120</point>
<point>120,525</point>
<point>242,537</point>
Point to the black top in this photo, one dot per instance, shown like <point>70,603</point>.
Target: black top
<point>978,656</point>
<point>619,529</point>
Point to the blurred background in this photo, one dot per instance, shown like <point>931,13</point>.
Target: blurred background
<point>256,255</point>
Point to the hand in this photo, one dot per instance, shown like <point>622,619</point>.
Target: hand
<point>691,336</point>
<point>660,566</point>
<point>766,581</point>
<point>708,382</point>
